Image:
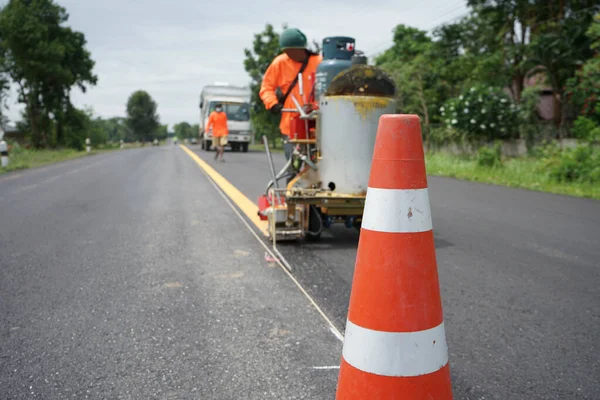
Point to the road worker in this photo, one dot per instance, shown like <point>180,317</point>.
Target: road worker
<point>217,125</point>
<point>282,75</point>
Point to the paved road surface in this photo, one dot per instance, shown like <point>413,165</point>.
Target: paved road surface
<point>520,278</point>
<point>126,276</point>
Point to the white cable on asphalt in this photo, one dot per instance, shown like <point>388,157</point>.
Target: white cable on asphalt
<point>279,262</point>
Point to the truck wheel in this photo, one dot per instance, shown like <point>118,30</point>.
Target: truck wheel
<point>245,147</point>
<point>235,147</point>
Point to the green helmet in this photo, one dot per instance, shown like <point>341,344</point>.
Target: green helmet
<point>292,38</point>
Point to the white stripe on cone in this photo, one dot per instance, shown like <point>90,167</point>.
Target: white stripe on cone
<point>395,353</point>
<point>397,210</point>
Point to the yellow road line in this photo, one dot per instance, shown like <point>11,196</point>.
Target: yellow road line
<point>245,204</point>
<point>333,329</point>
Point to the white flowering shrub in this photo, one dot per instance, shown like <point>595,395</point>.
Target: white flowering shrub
<point>483,113</point>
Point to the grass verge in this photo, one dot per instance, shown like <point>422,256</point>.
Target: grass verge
<point>261,147</point>
<point>20,158</point>
<point>24,159</point>
<point>526,173</point>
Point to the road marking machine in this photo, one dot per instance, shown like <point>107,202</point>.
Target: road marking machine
<point>328,173</point>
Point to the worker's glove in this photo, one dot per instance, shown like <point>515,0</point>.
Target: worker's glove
<point>279,95</point>
<point>307,108</point>
<point>276,109</point>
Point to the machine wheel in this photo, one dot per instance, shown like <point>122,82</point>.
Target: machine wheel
<point>315,224</point>
<point>235,147</point>
<point>245,147</point>
<point>205,145</point>
<point>357,226</point>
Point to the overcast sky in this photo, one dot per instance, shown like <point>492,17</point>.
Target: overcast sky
<point>171,48</point>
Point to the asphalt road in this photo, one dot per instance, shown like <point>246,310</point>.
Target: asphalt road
<point>127,276</point>
<point>519,274</point>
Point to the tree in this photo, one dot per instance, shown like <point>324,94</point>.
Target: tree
<point>142,119</point>
<point>46,60</point>
<point>96,128</point>
<point>162,132</point>
<point>413,64</point>
<point>81,124</point>
<point>195,130</point>
<point>500,44</point>
<point>501,31</point>
<point>114,129</point>
<point>409,42</point>
<point>4,88</point>
<point>525,37</point>
<point>264,49</point>
<point>585,85</point>
<point>558,51</point>
<point>184,130</point>
<point>117,129</point>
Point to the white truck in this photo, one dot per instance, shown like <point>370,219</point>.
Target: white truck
<point>236,104</point>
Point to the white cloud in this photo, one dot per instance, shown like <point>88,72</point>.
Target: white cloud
<point>173,48</point>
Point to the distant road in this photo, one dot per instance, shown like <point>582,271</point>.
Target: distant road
<point>520,277</point>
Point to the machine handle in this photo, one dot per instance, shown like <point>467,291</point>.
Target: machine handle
<point>301,88</point>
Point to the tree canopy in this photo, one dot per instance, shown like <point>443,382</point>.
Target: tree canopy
<point>184,130</point>
<point>46,60</point>
<point>265,48</point>
<point>503,45</point>
<point>142,118</point>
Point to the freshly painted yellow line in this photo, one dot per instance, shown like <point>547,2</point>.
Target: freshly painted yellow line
<point>249,208</point>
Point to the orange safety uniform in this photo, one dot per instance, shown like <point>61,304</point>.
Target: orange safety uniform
<point>218,123</point>
<point>281,73</point>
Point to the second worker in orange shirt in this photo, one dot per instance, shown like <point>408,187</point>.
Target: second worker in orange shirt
<point>217,122</point>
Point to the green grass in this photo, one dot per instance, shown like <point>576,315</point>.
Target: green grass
<point>20,158</point>
<point>526,173</point>
<point>261,147</point>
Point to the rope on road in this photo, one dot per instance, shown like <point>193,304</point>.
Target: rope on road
<point>279,260</point>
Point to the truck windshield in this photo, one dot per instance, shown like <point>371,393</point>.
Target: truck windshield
<point>234,111</point>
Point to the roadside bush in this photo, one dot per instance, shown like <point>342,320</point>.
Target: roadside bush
<point>483,112</point>
<point>108,146</point>
<point>580,164</point>
<point>15,149</point>
<point>528,117</point>
<point>586,129</point>
<point>490,157</point>
<point>444,135</point>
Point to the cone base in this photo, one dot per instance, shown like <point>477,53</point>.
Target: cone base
<point>354,384</point>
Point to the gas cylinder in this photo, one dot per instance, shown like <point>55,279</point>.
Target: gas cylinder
<point>349,114</point>
<point>349,126</point>
<point>337,56</point>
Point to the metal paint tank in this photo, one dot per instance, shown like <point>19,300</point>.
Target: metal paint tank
<point>337,56</point>
<point>349,127</point>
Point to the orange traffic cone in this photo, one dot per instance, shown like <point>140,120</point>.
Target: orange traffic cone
<point>395,341</point>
